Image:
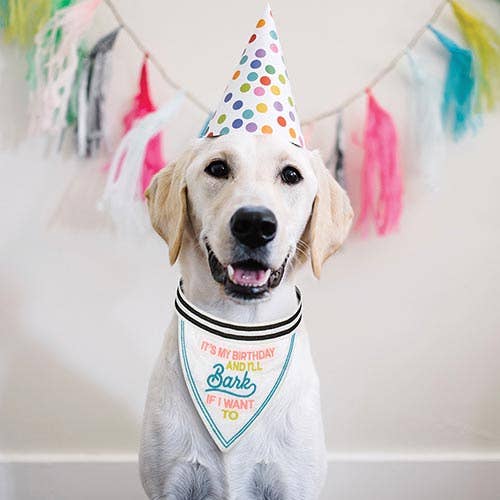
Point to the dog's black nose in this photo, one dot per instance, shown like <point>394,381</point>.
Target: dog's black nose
<point>253,226</point>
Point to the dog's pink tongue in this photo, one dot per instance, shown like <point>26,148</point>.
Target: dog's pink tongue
<point>249,277</point>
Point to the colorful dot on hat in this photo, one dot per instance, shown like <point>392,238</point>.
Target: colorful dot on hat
<point>247,114</point>
<point>237,123</point>
<point>275,90</point>
<point>278,106</point>
<point>266,129</point>
<point>270,69</point>
<point>292,133</point>
<point>281,120</point>
<point>273,35</point>
<point>282,79</point>
<point>290,100</point>
<point>261,23</point>
<point>260,53</point>
<point>252,76</point>
<point>244,59</point>
<point>252,38</point>
<point>261,107</point>
<point>265,80</point>
<point>274,48</point>
<point>292,116</point>
<point>224,131</point>
<point>221,119</point>
<point>255,64</point>
<point>237,104</point>
<point>251,127</point>
<point>236,74</point>
<point>259,91</point>
<point>228,97</point>
<point>245,87</point>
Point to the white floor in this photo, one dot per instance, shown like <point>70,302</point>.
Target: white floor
<point>100,478</point>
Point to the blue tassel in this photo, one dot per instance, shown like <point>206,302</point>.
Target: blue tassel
<point>457,108</point>
<point>204,129</point>
<point>4,13</point>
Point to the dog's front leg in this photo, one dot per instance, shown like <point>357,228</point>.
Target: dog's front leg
<point>178,458</point>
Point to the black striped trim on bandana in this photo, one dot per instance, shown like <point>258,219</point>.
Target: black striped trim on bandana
<point>237,331</point>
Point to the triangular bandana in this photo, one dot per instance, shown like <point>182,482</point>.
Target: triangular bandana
<point>232,371</point>
<point>258,98</point>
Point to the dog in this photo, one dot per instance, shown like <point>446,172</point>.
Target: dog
<point>241,214</point>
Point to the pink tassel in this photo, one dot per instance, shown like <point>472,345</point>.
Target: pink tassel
<point>381,182</point>
<point>143,105</point>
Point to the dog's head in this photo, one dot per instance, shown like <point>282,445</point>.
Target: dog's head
<point>254,206</point>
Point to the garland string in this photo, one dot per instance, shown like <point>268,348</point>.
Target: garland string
<point>326,114</point>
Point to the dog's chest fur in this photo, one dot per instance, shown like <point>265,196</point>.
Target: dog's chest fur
<point>282,451</point>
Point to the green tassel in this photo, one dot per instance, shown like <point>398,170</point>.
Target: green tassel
<point>484,42</point>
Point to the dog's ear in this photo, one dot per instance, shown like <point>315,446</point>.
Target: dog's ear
<point>331,217</point>
<point>167,203</point>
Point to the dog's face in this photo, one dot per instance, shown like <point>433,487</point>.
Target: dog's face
<point>255,205</point>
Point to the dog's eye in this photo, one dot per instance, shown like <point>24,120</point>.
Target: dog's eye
<point>218,168</point>
<point>290,175</point>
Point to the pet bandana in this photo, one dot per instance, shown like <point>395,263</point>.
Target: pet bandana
<point>232,371</point>
<point>258,98</point>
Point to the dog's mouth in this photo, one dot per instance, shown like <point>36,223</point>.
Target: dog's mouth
<point>245,279</point>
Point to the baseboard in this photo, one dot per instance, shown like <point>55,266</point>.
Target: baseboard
<point>367,476</point>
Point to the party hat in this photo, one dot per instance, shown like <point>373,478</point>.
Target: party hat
<point>258,98</point>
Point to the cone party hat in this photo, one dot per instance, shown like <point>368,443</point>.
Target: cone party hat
<point>258,98</point>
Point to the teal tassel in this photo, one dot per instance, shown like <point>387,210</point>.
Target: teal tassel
<point>204,129</point>
<point>457,108</point>
<point>4,13</point>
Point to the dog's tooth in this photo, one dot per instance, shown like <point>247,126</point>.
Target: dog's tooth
<point>230,272</point>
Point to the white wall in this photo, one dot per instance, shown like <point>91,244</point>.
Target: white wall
<point>405,329</point>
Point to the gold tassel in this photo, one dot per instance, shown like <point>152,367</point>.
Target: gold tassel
<point>484,42</point>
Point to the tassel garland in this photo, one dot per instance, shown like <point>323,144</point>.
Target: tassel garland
<point>55,62</point>
<point>381,182</point>
<point>122,196</point>
<point>459,88</point>
<point>91,96</point>
<point>429,139</point>
<point>485,44</point>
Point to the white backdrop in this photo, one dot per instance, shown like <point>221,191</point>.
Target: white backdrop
<point>405,329</point>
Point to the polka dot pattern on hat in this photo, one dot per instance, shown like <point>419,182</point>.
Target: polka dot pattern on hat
<point>258,99</point>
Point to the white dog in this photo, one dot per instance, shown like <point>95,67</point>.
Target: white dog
<point>241,213</point>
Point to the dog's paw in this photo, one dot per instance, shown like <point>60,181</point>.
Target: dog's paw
<point>266,483</point>
<point>190,481</point>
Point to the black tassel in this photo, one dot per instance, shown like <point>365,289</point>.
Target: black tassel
<point>91,96</point>
<point>335,162</point>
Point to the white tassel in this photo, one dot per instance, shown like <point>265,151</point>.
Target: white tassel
<point>55,63</point>
<point>429,142</point>
<point>122,198</point>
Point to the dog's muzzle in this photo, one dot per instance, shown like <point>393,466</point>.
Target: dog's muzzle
<point>248,275</point>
